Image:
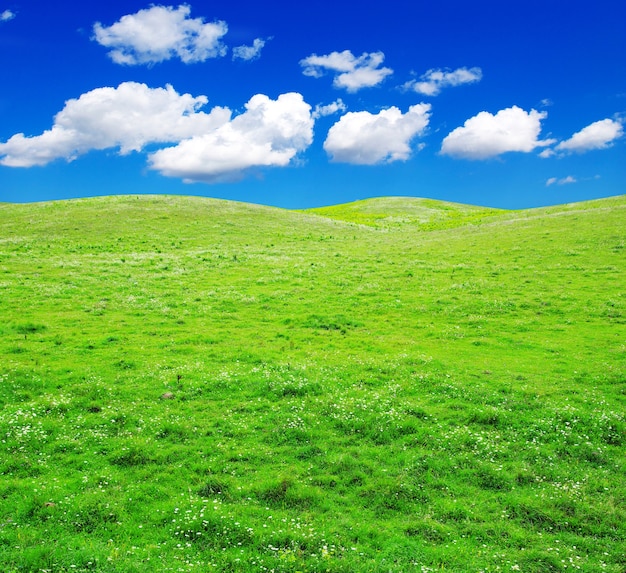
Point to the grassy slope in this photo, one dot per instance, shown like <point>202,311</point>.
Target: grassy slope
<point>437,386</point>
<point>396,212</point>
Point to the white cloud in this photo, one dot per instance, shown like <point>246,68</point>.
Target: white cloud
<point>365,138</point>
<point>547,153</point>
<point>268,133</point>
<point>351,73</point>
<point>486,135</point>
<point>563,181</point>
<point>129,117</point>
<point>208,146</point>
<point>433,81</point>
<point>599,135</point>
<point>160,33</point>
<point>249,53</point>
<point>6,16</point>
<point>330,109</point>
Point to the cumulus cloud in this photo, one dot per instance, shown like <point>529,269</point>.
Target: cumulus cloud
<point>563,181</point>
<point>486,135</point>
<point>330,109</point>
<point>351,73</point>
<point>599,135</point>
<point>6,16</point>
<point>365,138</point>
<point>160,33</point>
<point>249,53</point>
<point>269,133</point>
<point>208,147</point>
<point>129,117</point>
<point>433,81</point>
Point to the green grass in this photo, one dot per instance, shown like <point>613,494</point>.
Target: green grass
<point>394,385</point>
<point>426,214</point>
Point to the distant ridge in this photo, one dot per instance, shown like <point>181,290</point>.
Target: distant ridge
<point>400,211</point>
<point>430,214</point>
<point>385,213</point>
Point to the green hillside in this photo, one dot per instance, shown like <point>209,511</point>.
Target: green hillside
<point>428,214</point>
<point>392,385</point>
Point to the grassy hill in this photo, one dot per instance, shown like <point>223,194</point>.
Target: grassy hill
<point>392,385</point>
<point>428,214</point>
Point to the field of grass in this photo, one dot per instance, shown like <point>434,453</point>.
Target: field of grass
<point>394,385</point>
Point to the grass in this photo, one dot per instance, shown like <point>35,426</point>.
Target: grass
<point>393,385</point>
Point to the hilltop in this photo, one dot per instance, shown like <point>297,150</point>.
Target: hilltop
<point>427,214</point>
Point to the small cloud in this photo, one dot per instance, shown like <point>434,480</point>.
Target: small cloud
<point>547,153</point>
<point>249,53</point>
<point>486,135</point>
<point>161,33</point>
<point>351,73</point>
<point>367,139</point>
<point>330,109</point>
<point>546,102</point>
<point>433,81</point>
<point>599,135</point>
<point>6,16</point>
<point>563,181</point>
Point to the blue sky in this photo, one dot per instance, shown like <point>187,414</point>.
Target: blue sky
<point>505,104</point>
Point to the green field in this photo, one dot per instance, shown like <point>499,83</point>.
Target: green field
<point>393,385</point>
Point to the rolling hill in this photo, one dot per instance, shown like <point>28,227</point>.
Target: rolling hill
<point>396,384</point>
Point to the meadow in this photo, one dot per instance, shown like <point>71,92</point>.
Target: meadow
<point>393,385</point>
